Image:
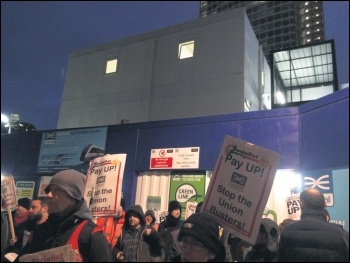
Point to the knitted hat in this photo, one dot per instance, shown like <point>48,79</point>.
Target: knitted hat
<point>273,233</point>
<point>151,213</point>
<point>205,229</point>
<point>173,205</point>
<point>24,202</point>
<point>72,181</point>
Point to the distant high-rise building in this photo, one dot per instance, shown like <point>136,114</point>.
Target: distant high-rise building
<point>277,24</point>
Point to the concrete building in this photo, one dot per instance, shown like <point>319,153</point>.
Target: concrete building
<point>209,66</point>
<point>277,24</point>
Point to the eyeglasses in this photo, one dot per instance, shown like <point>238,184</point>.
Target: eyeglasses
<point>194,246</point>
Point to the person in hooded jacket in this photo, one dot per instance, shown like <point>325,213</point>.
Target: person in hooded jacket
<point>266,245</point>
<point>171,222</point>
<point>138,242</point>
<point>151,219</point>
<point>67,212</point>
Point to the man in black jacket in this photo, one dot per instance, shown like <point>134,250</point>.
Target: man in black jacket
<point>38,214</point>
<point>312,238</point>
<point>68,212</point>
<point>171,222</point>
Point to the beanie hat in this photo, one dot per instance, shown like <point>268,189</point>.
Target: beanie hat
<point>205,229</point>
<point>151,213</point>
<point>24,202</point>
<point>273,233</point>
<point>72,181</point>
<point>137,209</point>
<point>173,205</point>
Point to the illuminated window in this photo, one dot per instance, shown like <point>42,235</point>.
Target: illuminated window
<point>186,50</point>
<point>111,66</point>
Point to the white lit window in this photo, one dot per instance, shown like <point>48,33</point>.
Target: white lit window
<point>307,25</point>
<point>307,18</point>
<point>186,50</point>
<point>308,32</point>
<point>111,66</point>
<point>307,10</point>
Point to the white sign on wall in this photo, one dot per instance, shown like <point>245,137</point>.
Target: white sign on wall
<point>44,182</point>
<point>25,189</point>
<point>175,158</point>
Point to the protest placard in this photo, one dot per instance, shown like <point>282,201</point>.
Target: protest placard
<point>8,192</point>
<point>240,187</point>
<point>190,208</point>
<point>58,254</point>
<point>104,184</point>
<point>8,197</point>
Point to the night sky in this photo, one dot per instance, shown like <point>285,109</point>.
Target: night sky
<point>37,38</point>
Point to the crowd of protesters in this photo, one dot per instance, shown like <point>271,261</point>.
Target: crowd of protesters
<point>63,218</point>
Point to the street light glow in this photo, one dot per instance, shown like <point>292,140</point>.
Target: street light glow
<point>4,118</point>
<point>13,124</point>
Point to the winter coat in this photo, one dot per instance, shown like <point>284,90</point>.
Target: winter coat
<point>165,228</point>
<point>313,239</point>
<point>56,231</point>
<point>27,228</point>
<point>150,247</point>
